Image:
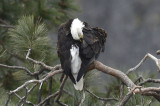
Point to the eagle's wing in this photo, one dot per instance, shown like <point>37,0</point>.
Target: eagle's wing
<point>93,44</point>
<point>94,39</point>
<point>63,49</point>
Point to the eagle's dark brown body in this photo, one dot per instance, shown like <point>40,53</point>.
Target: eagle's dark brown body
<point>89,49</point>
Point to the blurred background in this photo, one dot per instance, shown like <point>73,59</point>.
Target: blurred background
<point>133,28</point>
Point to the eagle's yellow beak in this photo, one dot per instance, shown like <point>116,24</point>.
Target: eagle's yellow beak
<point>81,38</point>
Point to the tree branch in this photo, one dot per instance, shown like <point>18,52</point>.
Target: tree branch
<point>104,99</point>
<point>37,62</point>
<point>61,90</point>
<point>47,98</point>
<point>6,26</point>
<point>50,74</point>
<point>149,80</point>
<point>148,91</point>
<point>129,94</point>
<point>114,72</point>
<point>57,67</point>
<point>17,67</point>
<point>148,55</point>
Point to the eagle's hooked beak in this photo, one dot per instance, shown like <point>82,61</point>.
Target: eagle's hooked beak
<point>81,38</point>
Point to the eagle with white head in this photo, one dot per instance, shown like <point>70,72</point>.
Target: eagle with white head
<point>78,46</point>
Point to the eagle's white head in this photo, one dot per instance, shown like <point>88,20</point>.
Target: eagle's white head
<point>76,29</point>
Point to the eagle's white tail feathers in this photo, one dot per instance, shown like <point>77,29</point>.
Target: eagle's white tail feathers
<point>75,66</point>
<point>79,84</point>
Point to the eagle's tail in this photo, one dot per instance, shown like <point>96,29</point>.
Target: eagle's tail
<point>79,84</point>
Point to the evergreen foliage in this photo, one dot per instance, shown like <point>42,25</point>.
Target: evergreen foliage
<point>51,11</point>
<point>29,32</point>
<point>30,21</point>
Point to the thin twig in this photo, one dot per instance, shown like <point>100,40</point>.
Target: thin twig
<point>17,67</point>
<point>50,90</point>
<point>61,90</point>
<point>65,91</point>
<point>57,67</point>
<point>40,93</point>
<point>149,80</point>
<point>121,90</point>
<point>37,62</point>
<point>103,99</point>
<point>3,21</point>
<point>139,78</point>
<point>148,55</point>
<point>50,74</point>
<point>150,102</point>
<point>47,98</point>
<point>83,98</point>
<point>6,26</point>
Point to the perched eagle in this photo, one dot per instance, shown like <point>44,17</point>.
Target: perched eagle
<point>78,46</point>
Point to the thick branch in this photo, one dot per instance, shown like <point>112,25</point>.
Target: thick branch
<point>116,73</point>
<point>124,78</point>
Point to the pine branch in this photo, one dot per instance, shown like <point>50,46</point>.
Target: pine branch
<point>6,26</point>
<point>17,67</point>
<point>39,62</point>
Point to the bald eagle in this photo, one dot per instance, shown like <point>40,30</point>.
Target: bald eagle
<point>78,46</point>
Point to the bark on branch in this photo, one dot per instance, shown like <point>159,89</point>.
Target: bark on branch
<point>147,91</point>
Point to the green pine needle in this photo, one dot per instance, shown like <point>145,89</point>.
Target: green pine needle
<point>30,34</point>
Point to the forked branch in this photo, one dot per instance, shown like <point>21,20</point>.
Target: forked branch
<point>148,91</point>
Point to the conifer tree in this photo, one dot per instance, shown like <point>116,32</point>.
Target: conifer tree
<point>25,24</point>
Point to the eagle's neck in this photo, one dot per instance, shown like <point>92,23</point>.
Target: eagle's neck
<point>76,29</point>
